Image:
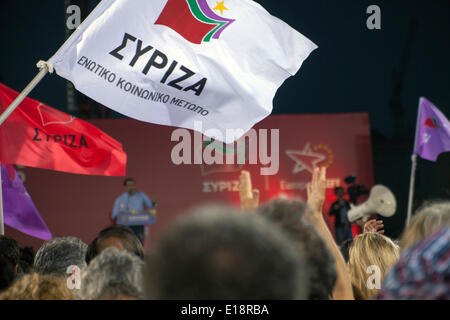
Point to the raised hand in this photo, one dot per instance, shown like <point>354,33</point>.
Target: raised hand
<point>249,197</point>
<point>316,198</point>
<point>316,190</point>
<point>374,226</point>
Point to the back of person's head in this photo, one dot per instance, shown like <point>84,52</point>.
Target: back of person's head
<point>55,256</point>
<point>431,216</point>
<point>422,272</point>
<point>6,273</point>
<point>38,287</point>
<point>290,215</point>
<point>369,253</point>
<point>26,259</point>
<point>120,237</point>
<point>113,274</point>
<point>220,253</point>
<point>9,249</point>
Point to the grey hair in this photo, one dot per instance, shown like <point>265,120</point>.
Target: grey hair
<point>112,274</point>
<point>56,255</point>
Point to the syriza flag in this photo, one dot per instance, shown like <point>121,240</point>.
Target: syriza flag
<point>432,132</point>
<point>197,64</point>
<point>37,135</point>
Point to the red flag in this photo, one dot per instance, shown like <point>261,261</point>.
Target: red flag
<point>36,135</point>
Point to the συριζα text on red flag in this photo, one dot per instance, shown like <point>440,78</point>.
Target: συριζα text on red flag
<point>36,135</point>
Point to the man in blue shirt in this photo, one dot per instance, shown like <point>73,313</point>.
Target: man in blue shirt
<point>132,201</point>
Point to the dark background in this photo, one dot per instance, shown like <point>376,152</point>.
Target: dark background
<point>383,72</point>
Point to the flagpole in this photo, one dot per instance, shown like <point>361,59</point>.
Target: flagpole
<point>412,179</point>
<point>411,187</point>
<point>44,69</point>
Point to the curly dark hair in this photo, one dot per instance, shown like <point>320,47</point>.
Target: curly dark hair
<point>7,273</point>
<point>9,248</point>
<point>26,259</point>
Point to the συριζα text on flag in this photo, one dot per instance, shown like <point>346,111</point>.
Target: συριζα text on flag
<point>174,62</point>
<point>36,135</point>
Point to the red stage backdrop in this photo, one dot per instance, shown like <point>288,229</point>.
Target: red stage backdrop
<point>80,205</point>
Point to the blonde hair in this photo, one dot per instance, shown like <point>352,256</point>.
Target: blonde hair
<point>428,218</point>
<point>38,287</point>
<point>370,249</point>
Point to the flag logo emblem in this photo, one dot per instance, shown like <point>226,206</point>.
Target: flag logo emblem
<point>238,150</point>
<point>194,20</point>
<point>431,123</point>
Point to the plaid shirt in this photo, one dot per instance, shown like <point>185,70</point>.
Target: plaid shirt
<point>423,271</point>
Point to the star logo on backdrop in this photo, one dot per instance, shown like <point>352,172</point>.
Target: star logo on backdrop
<point>220,6</point>
<point>305,159</point>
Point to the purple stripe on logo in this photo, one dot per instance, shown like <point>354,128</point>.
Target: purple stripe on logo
<point>210,14</point>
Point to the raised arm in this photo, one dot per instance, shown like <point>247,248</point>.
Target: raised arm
<point>316,198</point>
<point>249,197</point>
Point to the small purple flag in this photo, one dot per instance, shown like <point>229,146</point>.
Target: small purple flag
<point>19,210</point>
<point>432,132</point>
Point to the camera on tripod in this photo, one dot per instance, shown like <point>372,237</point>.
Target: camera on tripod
<point>355,190</point>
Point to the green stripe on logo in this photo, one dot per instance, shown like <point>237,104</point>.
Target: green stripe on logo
<point>197,12</point>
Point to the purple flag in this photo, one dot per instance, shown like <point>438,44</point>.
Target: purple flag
<point>432,132</point>
<point>19,210</point>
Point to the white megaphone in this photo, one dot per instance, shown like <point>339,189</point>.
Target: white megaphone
<point>381,200</point>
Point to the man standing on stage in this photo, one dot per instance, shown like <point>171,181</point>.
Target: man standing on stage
<point>339,209</point>
<point>133,201</point>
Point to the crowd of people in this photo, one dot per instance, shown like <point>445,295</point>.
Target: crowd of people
<point>281,250</point>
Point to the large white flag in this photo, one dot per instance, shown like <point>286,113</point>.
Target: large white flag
<point>197,64</point>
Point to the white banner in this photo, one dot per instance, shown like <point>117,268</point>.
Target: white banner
<point>196,64</point>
